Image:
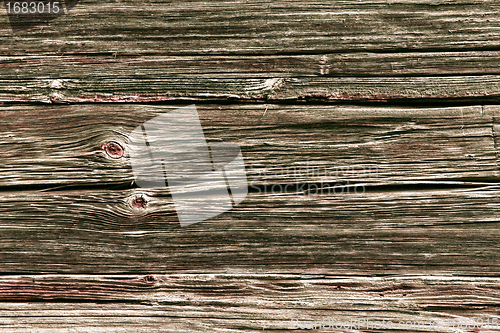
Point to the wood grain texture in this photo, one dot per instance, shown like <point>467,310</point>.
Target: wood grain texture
<point>291,90</point>
<point>332,189</point>
<point>256,27</point>
<point>239,303</point>
<point>281,144</point>
<point>399,232</point>
<point>357,64</point>
<point>178,51</point>
<point>384,213</point>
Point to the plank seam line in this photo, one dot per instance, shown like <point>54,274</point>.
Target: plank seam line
<point>401,102</point>
<point>495,141</point>
<point>277,52</point>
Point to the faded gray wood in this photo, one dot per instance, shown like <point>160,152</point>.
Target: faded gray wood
<point>106,66</point>
<point>188,47</point>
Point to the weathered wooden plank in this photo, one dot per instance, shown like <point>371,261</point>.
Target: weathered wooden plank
<point>255,27</point>
<point>297,90</point>
<point>449,231</point>
<point>278,40</point>
<point>102,67</point>
<point>281,144</point>
<point>246,303</point>
<point>376,191</point>
<point>424,157</point>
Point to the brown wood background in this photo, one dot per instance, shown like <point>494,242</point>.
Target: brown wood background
<point>396,98</point>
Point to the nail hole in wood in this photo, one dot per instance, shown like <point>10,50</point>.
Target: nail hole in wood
<point>113,149</point>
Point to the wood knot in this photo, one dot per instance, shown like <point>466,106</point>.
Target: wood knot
<point>139,202</point>
<point>56,84</point>
<point>113,149</point>
<point>150,278</point>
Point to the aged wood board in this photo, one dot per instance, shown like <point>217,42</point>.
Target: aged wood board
<point>369,132</point>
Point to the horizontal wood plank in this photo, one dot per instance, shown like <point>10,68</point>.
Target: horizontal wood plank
<point>396,232</point>
<point>273,90</point>
<point>104,67</point>
<point>280,144</point>
<point>255,27</point>
<point>245,303</point>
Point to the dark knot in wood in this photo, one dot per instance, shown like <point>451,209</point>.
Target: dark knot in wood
<point>149,278</point>
<point>113,149</point>
<point>139,202</point>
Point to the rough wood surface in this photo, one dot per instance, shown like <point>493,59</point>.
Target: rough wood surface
<point>384,213</point>
<point>358,64</point>
<point>427,187</point>
<point>171,51</point>
<point>244,303</point>
<point>256,27</point>
<point>281,144</point>
<point>331,189</point>
<point>397,232</point>
<point>275,90</point>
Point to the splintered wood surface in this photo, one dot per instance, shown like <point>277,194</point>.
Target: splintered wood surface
<point>369,132</point>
